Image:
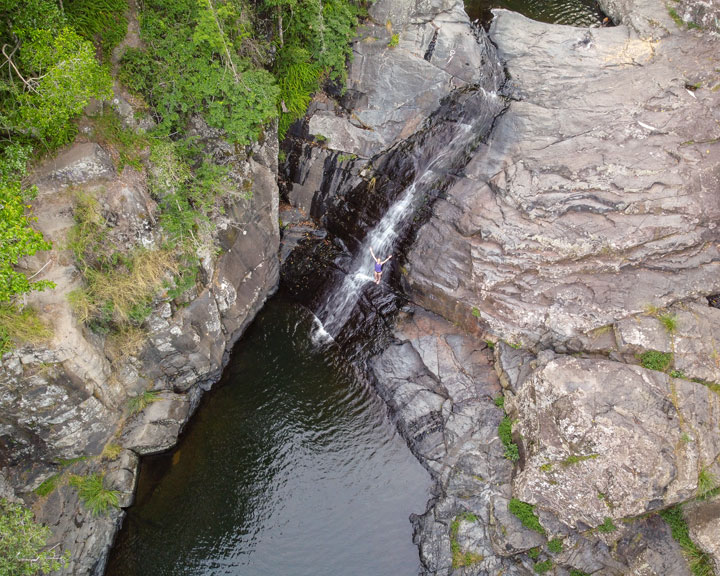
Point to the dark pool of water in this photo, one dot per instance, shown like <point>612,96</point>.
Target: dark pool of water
<point>570,12</point>
<point>291,467</point>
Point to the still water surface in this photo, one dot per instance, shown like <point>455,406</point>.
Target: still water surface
<point>290,467</point>
<point>571,12</point>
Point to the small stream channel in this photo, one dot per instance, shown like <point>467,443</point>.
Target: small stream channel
<point>290,467</point>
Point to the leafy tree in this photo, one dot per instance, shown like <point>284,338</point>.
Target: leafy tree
<point>313,45</point>
<point>48,73</point>
<point>17,239</point>
<point>203,61</point>
<point>22,543</point>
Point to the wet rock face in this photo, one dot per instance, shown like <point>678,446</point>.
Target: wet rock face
<point>592,198</point>
<point>604,440</point>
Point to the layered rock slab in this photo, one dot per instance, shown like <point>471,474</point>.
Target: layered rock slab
<point>440,383</point>
<point>593,198</point>
<point>392,89</point>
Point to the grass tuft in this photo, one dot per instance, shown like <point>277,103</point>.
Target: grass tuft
<point>669,321</point>
<point>94,495</point>
<point>700,563</point>
<point>555,545</point>
<point>19,327</point>
<point>543,567</point>
<point>460,558</point>
<point>141,401</point>
<point>111,451</point>
<point>125,145</point>
<point>526,514</point>
<point>575,459</point>
<point>122,295</point>
<point>707,483</point>
<point>48,486</point>
<point>607,526</point>
<point>505,432</point>
<point>654,360</point>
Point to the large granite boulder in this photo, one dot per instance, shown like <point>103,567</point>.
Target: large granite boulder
<point>595,196</point>
<point>440,384</point>
<point>603,439</point>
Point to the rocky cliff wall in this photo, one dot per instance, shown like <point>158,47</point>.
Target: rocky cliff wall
<point>581,241</point>
<point>62,403</point>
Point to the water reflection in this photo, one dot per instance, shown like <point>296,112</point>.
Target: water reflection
<point>290,467</point>
<point>570,12</point>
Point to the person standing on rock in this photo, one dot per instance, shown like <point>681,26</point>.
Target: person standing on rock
<point>378,265</point>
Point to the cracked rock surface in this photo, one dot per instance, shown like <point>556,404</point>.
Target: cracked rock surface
<point>596,194</point>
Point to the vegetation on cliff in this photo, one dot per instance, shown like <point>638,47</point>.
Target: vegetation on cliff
<point>236,65</point>
<point>49,73</point>
<point>22,542</point>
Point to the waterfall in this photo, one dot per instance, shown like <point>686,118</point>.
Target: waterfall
<point>442,150</point>
<point>340,303</point>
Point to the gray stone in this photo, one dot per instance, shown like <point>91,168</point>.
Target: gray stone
<point>603,439</point>
<point>156,428</point>
<point>79,164</point>
<point>590,200</point>
<point>392,90</point>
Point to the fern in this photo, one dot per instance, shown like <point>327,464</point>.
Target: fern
<point>99,20</point>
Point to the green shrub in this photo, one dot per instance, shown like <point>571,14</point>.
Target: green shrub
<point>394,40</point>
<point>499,402</point>
<point>607,526</point>
<point>555,545</point>
<point>505,432</point>
<point>211,52</point>
<point>654,360</point>
<point>314,48</point>
<point>51,75</point>
<point>534,553</point>
<point>526,514</point>
<point>17,240</point>
<point>542,567</point>
<point>21,538</point>
<point>93,493</point>
<point>576,572</point>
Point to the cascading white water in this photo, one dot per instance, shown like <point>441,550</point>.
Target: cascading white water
<point>339,305</point>
<point>337,308</point>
